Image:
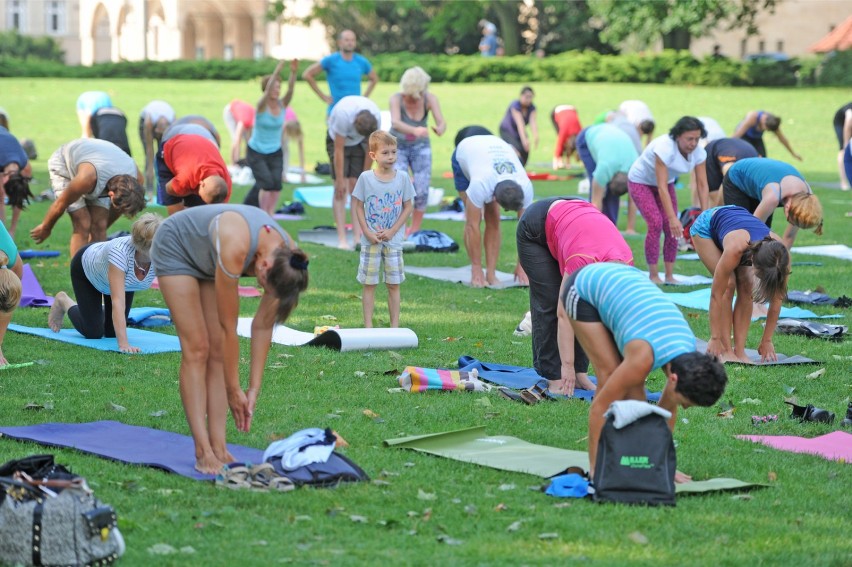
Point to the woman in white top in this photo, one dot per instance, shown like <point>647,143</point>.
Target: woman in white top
<point>105,275</point>
<point>663,160</point>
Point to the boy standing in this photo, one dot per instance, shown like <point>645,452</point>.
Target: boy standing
<point>382,202</point>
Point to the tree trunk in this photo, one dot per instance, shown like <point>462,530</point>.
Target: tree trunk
<point>677,39</point>
<point>508,27</point>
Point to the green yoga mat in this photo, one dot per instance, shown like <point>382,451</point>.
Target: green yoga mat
<point>507,453</point>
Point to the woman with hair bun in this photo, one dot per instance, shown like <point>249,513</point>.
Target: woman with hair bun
<point>105,275</point>
<point>738,249</point>
<point>200,254</point>
<point>409,110</point>
<point>650,182</point>
<point>762,185</point>
<point>11,271</point>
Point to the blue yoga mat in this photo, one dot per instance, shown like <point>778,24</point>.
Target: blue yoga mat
<point>519,377</point>
<point>149,342</point>
<point>26,254</point>
<point>149,317</point>
<point>320,197</point>
<point>130,444</point>
<point>700,299</point>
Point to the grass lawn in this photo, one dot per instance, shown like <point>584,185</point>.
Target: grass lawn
<point>802,519</point>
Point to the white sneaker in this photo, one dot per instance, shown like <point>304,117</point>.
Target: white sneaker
<point>524,328</point>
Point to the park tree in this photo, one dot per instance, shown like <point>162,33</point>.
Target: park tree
<point>676,22</point>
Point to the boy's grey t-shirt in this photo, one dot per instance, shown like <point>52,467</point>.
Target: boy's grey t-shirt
<point>383,201</point>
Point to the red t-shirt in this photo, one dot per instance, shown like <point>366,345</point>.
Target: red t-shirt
<point>243,112</point>
<point>567,124</point>
<point>191,158</point>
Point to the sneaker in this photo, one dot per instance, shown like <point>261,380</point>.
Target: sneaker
<point>524,328</point>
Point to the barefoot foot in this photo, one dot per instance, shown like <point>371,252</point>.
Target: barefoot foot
<point>208,464</point>
<point>57,312</point>
<point>656,280</point>
<point>224,455</point>
<point>672,281</point>
<point>584,383</point>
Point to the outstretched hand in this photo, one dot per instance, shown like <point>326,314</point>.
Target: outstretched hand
<point>240,409</point>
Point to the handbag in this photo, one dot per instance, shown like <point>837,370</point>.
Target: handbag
<point>49,516</point>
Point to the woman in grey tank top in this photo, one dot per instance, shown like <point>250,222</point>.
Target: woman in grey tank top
<point>200,254</point>
<point>409,115</point>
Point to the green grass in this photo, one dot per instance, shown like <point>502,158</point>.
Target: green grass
<point>802,519</point>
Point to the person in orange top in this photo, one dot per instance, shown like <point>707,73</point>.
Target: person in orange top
<point>567,125</point>
<point>190,169</point>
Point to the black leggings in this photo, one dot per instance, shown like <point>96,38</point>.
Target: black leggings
<point>545,281</point>
<point>92,316</point>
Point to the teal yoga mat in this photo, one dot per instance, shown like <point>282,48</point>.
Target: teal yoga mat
<point>320,197</point>
<point>507,453</point>
<point>149,342</point>
<point>700,299</point>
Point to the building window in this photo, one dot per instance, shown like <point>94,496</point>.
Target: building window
<point>15,15</point>
<point>257,50</point>
<point>761,46</point>
<point>54,14</point>
<point>228,52</point>
<point>779,47</point>
<point>743,47</point>
<point>199,53</point>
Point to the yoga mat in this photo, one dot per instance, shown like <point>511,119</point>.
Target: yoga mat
<point>149,342</point>
<point>694,256</point>
<point>836,446</point>
<point>700,299</point>
<point>342,340</point>
<point>701,346</point>
<point>691,280</point>
<point>325,237</point>
<point>164,450</point>
<point>286,217</point>
<point>458,216</point>
<point>519,377</point>
<point>149,317</point>
<point>31,293</point>
<point>320,197</point>
<point>294,176</point>
<point>243,290</point>
<point>460,275</point>
<point>832,250</point>
<point>27,254</point>
<point>506,453</point>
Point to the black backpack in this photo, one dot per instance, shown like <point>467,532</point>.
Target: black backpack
<point>432,241</point>
<point>636,464</point>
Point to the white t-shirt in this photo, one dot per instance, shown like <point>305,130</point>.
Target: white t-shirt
<point>644,168</point>
<point>341,121</point>
<point>485,161</point>
<point>714,130</point>
<point>157,109</point>
<point>636,111</point>
<point>118,252</point>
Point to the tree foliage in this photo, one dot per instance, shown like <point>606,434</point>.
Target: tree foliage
<point>675,21</point>
<point>13,44</point>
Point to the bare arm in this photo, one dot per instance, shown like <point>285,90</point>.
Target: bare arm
<point>119,322</point>
<point>398,124</point>
<point>356,205</point>
<point>703,188</point>
<point>309,75</point>
<point>518,119</point>
<point>534,127</point>
<point>662,174</point>
<point>722,273</point>
<point>407,207</point>
<point>598,193</point>
<point>148,135</point>
<point>237,143</point>
<point>373,79</point>
<point>261,338</point>
<point>768,202</point>
<point>749,121</point>
<point>291,84</point>
<point>790,235</point>
<point>783,139</point>
<point>440,124</point>
<point>565,343</point>
<point>473,240</point>
<point>81,185</point>
<point>847,127</point>
<point>263,103</point>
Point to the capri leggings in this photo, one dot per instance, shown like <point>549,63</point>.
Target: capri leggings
<point>418,158</point>
<point>92,316</point>
<point>647,198</point>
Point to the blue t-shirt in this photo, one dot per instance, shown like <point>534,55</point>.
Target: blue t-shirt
<point>490,42</point>
<point>11,150</point>
<point>730,218</point>
<point>344,77</point>
<point>752,175</point>
<point>612,150</point>
<point>91,101</point>
<point>266,135</point>
<point>634,308</point>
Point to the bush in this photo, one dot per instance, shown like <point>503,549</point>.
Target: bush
<point>670,67</point>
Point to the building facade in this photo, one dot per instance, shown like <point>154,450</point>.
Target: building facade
<point>96,31</point>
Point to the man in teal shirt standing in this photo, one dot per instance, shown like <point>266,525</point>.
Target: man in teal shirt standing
<point>343,71</point>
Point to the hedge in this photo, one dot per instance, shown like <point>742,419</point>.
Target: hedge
<point>667,67</point>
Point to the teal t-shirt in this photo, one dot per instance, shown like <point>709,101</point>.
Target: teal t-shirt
<point>7,245</point>
<point>612,150</point>
<point>752,175</point>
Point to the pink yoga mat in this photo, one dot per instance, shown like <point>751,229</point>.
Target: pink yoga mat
<point>245,290</point>
<point>835,446</point>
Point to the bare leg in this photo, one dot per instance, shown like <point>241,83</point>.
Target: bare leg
<point>654,273</point>
<point>175,208</point>
<point>742,311</point>
<point>5,318</point>
<point>183,297</point>
<point>416,222</point>
<point>217,399</point>
<point>491,240</point>
<point>81,226</point>
<point>393,304</point>
<point>356,228</point>
<point>100,218</point>
<point>669,266</point>
<point>61,304</point>
<point>631,216</point>
<point>368,301</point>
<point>269,201</point>
<point>338,210</point>
<point>844,183</point>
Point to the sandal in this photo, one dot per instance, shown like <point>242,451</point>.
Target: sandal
<point>509,394</point>
<point>261,475</point>
<point>534,395</point>
<point>235,478</point>
<point>811,413</point>
<point>281,484</point>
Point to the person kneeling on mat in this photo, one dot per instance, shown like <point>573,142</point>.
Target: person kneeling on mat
<point>628,328</point>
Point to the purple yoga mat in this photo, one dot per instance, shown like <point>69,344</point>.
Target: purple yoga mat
<point>835,446</point>
<point>31,293</point>
<point>130,444</point>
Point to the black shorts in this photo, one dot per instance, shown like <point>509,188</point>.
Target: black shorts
<point>757,143</point>
<point>353,158</point>
<point>733,195</point>
<point>164,175</point>
<point>578,309</point>
<point>266,168</point>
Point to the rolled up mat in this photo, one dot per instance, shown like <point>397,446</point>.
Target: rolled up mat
<point>460,275</point>
<point>32,295</point>
<point>27,254</point>
<point>149,317</point>
<point>164,450</point>
<point>149,342</point>
<point>338,339</point>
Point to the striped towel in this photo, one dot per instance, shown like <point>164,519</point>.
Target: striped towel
<point>416,379</point>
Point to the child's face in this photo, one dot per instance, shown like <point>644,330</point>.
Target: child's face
<point>385,156</point>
